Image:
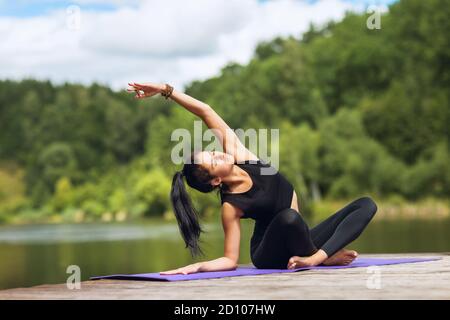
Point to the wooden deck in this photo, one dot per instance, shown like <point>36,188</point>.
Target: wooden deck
<point>423,280</point>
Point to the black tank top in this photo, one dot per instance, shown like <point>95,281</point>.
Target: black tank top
<point>269,194</point>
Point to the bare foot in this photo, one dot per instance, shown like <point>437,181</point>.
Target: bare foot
<point>317,258</point>
<point>341,258</point>
<point>298,262</point>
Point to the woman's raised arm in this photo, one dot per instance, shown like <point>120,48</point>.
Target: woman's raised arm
<point>229,140</point>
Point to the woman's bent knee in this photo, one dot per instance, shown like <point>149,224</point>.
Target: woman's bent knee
<point>369,205</point>
<point>289,217</point>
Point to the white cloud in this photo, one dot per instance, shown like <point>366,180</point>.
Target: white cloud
<point>175,41</point>
<point>159,29</point>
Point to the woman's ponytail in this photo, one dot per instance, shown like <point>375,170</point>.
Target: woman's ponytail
<point>187,216</point>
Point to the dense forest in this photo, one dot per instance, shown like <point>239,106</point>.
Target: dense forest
<point>359,111</point>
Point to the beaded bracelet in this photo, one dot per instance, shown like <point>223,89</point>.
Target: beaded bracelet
<point>167,92</point>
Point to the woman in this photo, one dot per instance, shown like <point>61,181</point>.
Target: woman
<point>281,238</point>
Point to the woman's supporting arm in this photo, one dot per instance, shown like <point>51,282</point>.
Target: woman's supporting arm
<point>232,229</point>
<point>232,233</point>
<point>219,264</point>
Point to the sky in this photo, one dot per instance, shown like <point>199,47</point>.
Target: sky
<point>114,42</point>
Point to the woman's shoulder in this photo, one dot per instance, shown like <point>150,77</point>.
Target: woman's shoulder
<point>228,206</point>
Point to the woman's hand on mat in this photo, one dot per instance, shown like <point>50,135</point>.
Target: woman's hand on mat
<point>145,90</point>
<point>192,268</point>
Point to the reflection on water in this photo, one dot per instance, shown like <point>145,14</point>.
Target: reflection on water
<point>37,254</point>
<point>39,234</point>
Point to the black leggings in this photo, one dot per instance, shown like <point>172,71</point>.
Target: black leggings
<point>288,234</point>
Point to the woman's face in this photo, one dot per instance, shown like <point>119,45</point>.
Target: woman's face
<point>218,164</point>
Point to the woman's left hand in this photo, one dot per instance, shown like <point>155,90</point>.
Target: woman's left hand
<point>192,268</point>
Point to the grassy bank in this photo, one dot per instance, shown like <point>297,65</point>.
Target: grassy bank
<point>391,208</point>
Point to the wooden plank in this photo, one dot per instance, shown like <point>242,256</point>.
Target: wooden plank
<point>424,280</point>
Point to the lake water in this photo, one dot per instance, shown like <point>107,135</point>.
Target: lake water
<point>38,254</point>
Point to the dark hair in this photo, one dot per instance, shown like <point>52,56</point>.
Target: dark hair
<point>187,216</point>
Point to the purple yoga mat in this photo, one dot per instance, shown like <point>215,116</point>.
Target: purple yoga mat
<point>251,271</point>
